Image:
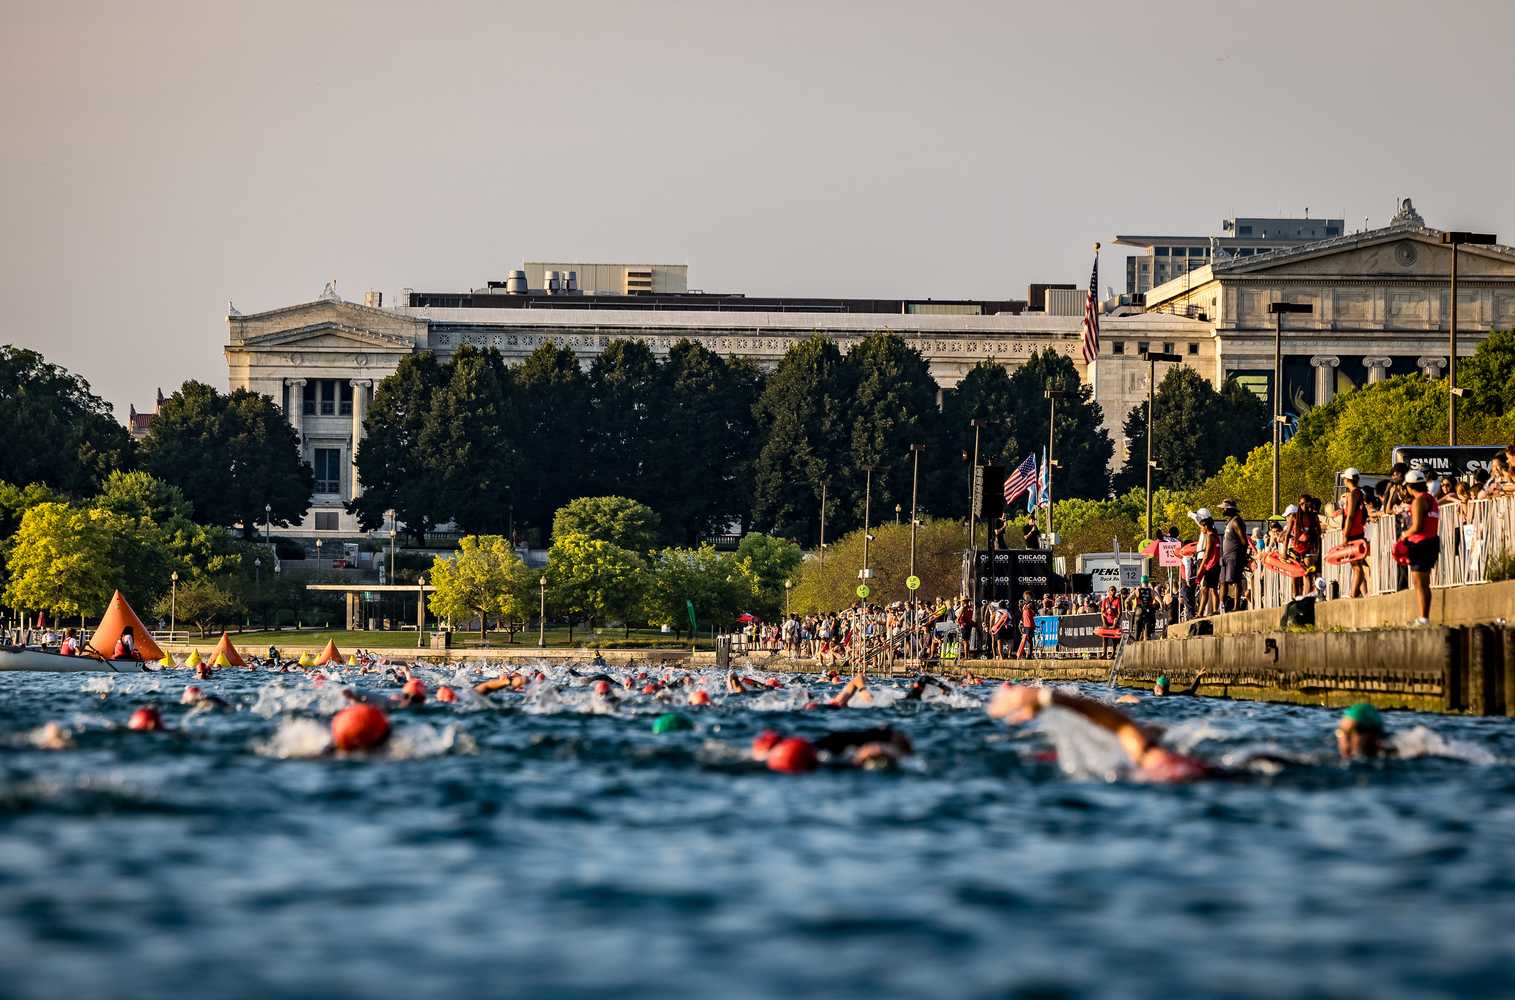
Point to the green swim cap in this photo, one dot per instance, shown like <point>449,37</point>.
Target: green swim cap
<point>1162,680</point>
<point>1365,717</point>
<point>671,722</point>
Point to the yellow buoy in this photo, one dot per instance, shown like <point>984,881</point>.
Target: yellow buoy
<point>220,661</point>
<point>194,658</point>
<point>306,660</point>
<point>352,660</point>
<point>167,661</point>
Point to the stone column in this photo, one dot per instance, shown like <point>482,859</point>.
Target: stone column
<point>297,410</point>
<point>1431,367</point>
<point>359,410</point>
<point>1378,368</point>
<point>1325,377</point>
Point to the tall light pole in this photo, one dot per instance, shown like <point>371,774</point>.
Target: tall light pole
<point>542,612</point>
<point>268,522</point>
<point>788,586</point>
<point>897,511</point>
<point>867,516</point>
<point>318,555</point>
<point>823,521</point>
<point>1153,357</point>
<point>915,476</point>
<point>977,426</point>
<point>394,524</point>
<point>1278,309</point>
<point>1053,395</point>
<point>258,572</point>
<point>173,604</point>
<point>420,612</point>
<point>1453,241</point>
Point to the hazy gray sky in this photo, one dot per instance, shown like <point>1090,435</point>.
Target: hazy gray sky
<point>163,158</point>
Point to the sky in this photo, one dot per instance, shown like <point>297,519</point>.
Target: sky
<point>163,159</point>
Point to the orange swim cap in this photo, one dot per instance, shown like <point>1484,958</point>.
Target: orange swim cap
<point>793,756</point>
<point>774,682</point>
<point>699,697</point>
<point>602,688</point>
<point>445,693</point>
<point>359,727</point>
<point>191,694</point>
<point>650,689</point>
<point>762,743</point>
<point>145,720</point>
<point>416,688</point>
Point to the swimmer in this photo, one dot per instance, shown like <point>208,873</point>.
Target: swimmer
<point>1020,704</point>
<point>1161,685</point>
<point>869,749</point>
<point>197,698</point>
<point>412,695</point>
<point>856,690</point>
<point>511,680</point>
<point>51,736</point>
<point>917,689</point>
<point>202,671</point>
<point>1362,733</point>
<point>740,685</point>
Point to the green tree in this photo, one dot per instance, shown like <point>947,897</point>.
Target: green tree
<point>141,495</point>
<point>552,397</point>
<point>985,393</point>
<point>626,409</point>
<point>1082,448</point>
<point>58,432</point>
<point>829,584</point>
<point>1197,427</point>
<point>769,561</point>
<point>1489,375</point>
<point>620,521</point>
<point>704,442</point>
<point>893,407</point>
<point>805,425</point>
<point>467,447</point>
<point>231,456</point>
<point>69,560</point>
<point>393,464</point>
<point>484,578</point>
<point>205,602</point>
<point>717,583</point>
<point>592,580</point>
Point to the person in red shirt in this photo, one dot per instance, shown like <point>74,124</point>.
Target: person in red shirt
<point>1354,520</point>
<point>1109,613</point>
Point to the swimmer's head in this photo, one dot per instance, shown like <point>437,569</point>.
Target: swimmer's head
<point>602,688</point>
<point>699,697</point>
<point>762,743</point>
<point>876,756</point>
<point>445,693</point>
<point>1160,686</point>
<point>191,695</point>
<point>793,756</point>
<point>1361,732</point>
<point>671,722</point>
<point>145,720</point>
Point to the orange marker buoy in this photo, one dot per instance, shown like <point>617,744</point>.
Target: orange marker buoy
<point>145,720</point>
<point>699,697</point>
<point>359,727</point>
<point>793,756</point>
<point>447,694</point>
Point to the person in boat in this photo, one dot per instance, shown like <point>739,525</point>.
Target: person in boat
<point>126,646</point>
<point>1354,521</point>
<point>1422,541</point>
<point>1162,687</point>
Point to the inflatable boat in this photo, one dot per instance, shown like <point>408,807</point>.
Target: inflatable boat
<point>14,658</point>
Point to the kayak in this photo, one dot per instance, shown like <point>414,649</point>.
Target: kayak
<point>26,658</point>
<point>1353,551</point>
<point>1288,567</point>
<point>1107,632</point>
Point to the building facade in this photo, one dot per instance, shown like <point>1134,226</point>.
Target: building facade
<point>1166,258</point>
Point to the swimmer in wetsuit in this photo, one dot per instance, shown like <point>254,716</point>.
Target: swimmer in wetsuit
<point>917,689</point>
<point>1161,687</point>
<point>869,749</point>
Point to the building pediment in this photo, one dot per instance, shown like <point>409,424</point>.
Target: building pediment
<point>1401,252</point>
<point>327,323</point>
<point>328,336</point>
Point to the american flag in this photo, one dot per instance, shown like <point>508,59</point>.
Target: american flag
<point>1091,314</point>
<point>1022,479</point>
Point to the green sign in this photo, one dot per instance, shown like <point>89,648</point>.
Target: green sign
<point>862,590</point>
<point>689,606</point>
<point>913,583</point>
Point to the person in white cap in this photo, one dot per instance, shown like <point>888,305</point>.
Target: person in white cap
<point>1354,522</point>
<point>1421,541</point>
<point>1207,562</point>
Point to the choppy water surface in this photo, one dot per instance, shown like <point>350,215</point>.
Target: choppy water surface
<point>534,846</point>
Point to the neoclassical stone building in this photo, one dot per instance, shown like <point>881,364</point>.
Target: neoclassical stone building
<point>1379,298</point>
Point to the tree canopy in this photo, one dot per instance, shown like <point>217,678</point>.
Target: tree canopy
<point>1197,428</point>
<point>592,580</point>
<point>57,431</point>
<point>484,578</point>
<point>620,521</point>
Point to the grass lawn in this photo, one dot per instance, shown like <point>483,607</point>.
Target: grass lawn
<point>609,638</point>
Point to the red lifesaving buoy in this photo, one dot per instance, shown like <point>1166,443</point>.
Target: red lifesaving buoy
<point>792,756</point>
<point>145,720</point>
<point>359,727</point>
<point>445,693</point>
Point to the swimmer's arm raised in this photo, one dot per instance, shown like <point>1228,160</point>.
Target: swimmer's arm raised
<point>1022,704</point>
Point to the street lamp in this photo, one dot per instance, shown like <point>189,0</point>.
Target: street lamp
<point>977,426</point>
<point>1455,240</point>
<point>393,525</point>
<point>258,571</point>
<point>897,511</point>
<point>1278,309</point>
<point>318,555</point>
<point>1053,395</point>
<point>915,476</point>
<point>542,615</point>
<point>420,612</point>
<point>173,604</point>
<point>268,522</point>
<point>867,516</point>
<point>823,521</point>
<point>1153,357</point>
